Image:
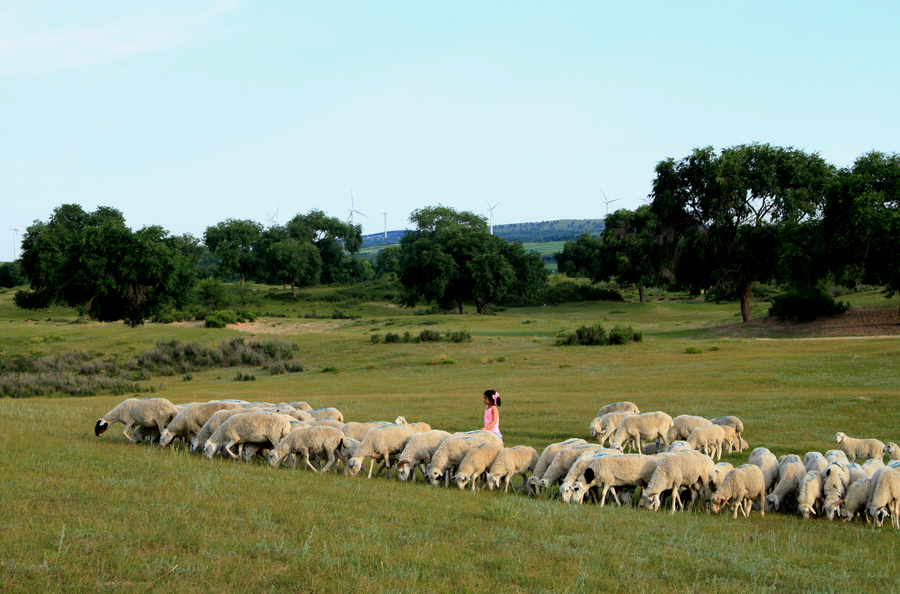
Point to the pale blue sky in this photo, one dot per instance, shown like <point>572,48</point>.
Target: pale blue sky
<point>184,114</point>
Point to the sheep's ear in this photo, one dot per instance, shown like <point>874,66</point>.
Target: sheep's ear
<point>100,427</point>
<point>402,464</point>
<point>589,475</point>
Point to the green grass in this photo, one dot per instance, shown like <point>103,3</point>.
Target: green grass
<point>82,513</point>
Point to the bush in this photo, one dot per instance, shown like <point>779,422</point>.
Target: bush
<point>596,335</point>
<point>213,321</point>
<point>569,292</point>
<point>806,305</point>
<point>692,350</point>
<point>430,336</point>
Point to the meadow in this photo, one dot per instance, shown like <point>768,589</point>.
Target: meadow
<point>81,513</point>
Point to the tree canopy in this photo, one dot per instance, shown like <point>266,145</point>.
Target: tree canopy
<point>233,241</point>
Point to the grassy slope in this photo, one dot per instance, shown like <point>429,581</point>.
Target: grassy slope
<point>82,513</point>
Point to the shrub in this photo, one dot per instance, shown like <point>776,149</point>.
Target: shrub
<point>459,336</point>
<point>430,336</point>
<point>213,321</point>
<point>692,350</point>
<point>375,338</point>
<point>596,335</point>
<point>244,377</point>
<point>330,369</point>
<point>441,360</point>
<point>806,305</point>
<point>277,368</point>
<point>391,337</point>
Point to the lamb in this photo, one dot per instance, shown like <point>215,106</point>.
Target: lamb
<point>859,448</point>
<point>892,450</point>
<point>326,413</point>
<point>562,462</point>
<point>855,499</point>
<point>475,463</point>
<point>618,407</point>
<point>731,442</point>
<point>741,488</point>
<point>683,469</point>
<point>710,437</point>
<point>417,452</point>
<point>683,425</point>
<point>149,412</point>
<point>809,493</point>
<point>814,461</point>
<point>768,463</point>
<point>639,428</point>
<point>380,442</point>
<point>884,498</point>
<point>451,451</point>
<point>871,466</point>
<point>518,460</point>
<point>603,428</point>
<point>191,419</point>
<point>790,472</point>
<point>358,431</point>
<point>610,471</point>
<point>566,487</point>
<point>321,441</point>
<point>733,422</point>
<point>545,459</point>
<point>251,427</point>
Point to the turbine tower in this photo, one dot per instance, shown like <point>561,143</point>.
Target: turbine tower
<point>385,220</point>
<point>607,201</point>
<point>15,242</point>
<point>491,210</point>
<point>353,209</point>
<point>273,219</point>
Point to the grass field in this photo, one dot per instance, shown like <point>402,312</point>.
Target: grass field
<point>82,513</point>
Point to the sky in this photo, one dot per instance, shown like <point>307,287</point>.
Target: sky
<point>184,114</point>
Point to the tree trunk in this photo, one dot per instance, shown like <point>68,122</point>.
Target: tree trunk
<point>242,280</point>
<point>480,307</point>
<point>460,304</point>
<point>641,293</point>
<point>746,312</point>
<point>293,290</point>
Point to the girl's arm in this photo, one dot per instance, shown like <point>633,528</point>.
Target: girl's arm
<point>493,423</point>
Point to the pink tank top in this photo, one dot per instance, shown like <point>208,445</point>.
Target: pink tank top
<point>489,418</point>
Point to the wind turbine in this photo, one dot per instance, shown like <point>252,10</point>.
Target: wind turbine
<point>353,209</point>
<point>273,219</point>
<point>607,201</point>
<point>15,242</point>
<point>385,220</point>
<point>491,210</point>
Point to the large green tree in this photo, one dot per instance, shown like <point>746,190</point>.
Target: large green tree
<point>233,240</point>
<point>721,214</point>
<point>335,240</point>
<point>631,249</point>
<point>580,258</point>
<point>451,258</point>
<point>295,262</point>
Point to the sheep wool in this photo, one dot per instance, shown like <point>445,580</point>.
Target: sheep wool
<point>605,427</point>
<point>518,460</point>
<point>884,498</point>
<point>870,466</point>
<point>741,488</point>
<point>379,443</point>
<point>325,442</point>
<point>451,451</point>
<point>562,462</point>
<point>187,424</point>
<point>149,412</point>
<point>475,463</point>
<point>768,463</point>
<point>790,472</point>
<point>809,493</point>
<point>690,469</point>
<point>577,468</point>
<point>683,425</point>
<point>417,452</point>
<point>619,406</point>
<point>814,461</point>
<point>252,427</point>
<point>709,437</point>
<point>545,459</point>
<point>326,413</point>
<point>892,450</point>
<point>855,499</point>
<point>730,421</point>
<point>608,471</point>
<point>637,429</point>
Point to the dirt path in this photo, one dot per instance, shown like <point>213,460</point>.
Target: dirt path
<point>859,322</point>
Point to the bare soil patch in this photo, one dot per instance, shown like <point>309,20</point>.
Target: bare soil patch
<point>858,322</point>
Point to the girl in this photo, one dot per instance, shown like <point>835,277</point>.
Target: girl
<point>492,412</point>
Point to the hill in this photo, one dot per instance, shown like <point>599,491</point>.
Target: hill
<point>544,231</point>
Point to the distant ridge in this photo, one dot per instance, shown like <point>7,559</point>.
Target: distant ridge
<point>544,231</point>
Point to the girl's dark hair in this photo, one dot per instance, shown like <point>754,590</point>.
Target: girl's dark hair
<point>494,395</point>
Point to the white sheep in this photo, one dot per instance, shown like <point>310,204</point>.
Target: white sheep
<point>892,450</point>
<point>188,422</point>
<point>689,469</point>
<point>215,421</point>
<point>299,405</point>
<point>768,463</point>
<point>618,407</point>
<point>741,488</point>
<point>319,441</point>
<point>636,429</point>
<point>562,462</point>
<point>417,452</point>
<point>711,438</point>
<point>683,425</point>
<point>328,423</point>
<point>566,487</point>
<point>814,461</point>
<point>451,451</point>
<point>859,448</point>
<point>855,499</point>
<point>790,472</point>
<point>603,428</point>
<point>730,421</point>
<point>731,442</point>
<point>809,493</point>
<point>545,459</point>
<point>475,463</point>
<point>835,480</point>
<point>149,412</point>
<point>326,413</point>
<point>251,427</point>
<point>870,466</point>
<point>837,456</point>
<point>380,442</point>
<point>722,470</point>
<point>654,447</point>
<point>358,431</point>
<point>420,427</point>
<point>517,460</point>
<point>884,498</point>
<point>678,446</point>
<point>608,471</point>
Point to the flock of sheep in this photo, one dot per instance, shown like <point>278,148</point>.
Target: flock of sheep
<point>672,458</point>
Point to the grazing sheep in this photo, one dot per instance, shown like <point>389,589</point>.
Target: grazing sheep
<point>583,461</point>
<point>358,431</point>
<point>837,456</point>
<point>835,480</point>
<point>741,488</point>
<point>636,429</point>
<point>731,421</point>
<point>859,448</point>
<point>892,450</point>
<point>299,405</point>
<point>476,462</point>
<point>731,442</point>
<point>722,470</point>
<point>562,462</point>
<point>809,493</point>
<point>518,460</point>
<point>251,427</point>
<point>380,442</point>
<point>451,451</point>
<point>190,420</point>
<point>870,466</point>
<point>149,412</point>
<point>608,471</point>
<point>214,422</point>
<point>683,425</point>
<point>679,446</point>
<point>710,437</point>
<point>768,463</point>
<point>319,441</point>
<point>603,428</point>
<point>417,452</point>
<point>814,461</point>
<point>326,413</point>
<point>619,407</point>
<point>790,472</point>
<point>654,447</point>
<point>689,469</point>
<point>328,423</point>
<point>855,499</point>
<point>545,459</point>
<point>419,427</point>
<point>884,498</point>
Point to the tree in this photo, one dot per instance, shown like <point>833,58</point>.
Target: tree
<point>11,274</point>
<point>452,258</point>
<point>580,258</point>
<point>333,238</point>
<point>387,261</point>
<point>720,215</point>
<point>295,263</point>
<point>233,241</point>
<point>631,250</point>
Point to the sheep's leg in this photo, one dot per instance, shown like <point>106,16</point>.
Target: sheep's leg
<point>125,432</point>
<point>308,463</point>
<point>330,461</point>
<point>228,449</point>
